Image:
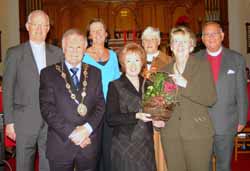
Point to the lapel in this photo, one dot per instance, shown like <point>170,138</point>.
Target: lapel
<point>31,63</point>
<point>155,62</point>
<point>129,86</point>
<point>81,80</point>
<point>48,55</point>
<point>224,65</point>
<point>190,68</point>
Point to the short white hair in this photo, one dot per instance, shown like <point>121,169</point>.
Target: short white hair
<point>151,32</point>
<point>73,31</point>
<point>37,12</point>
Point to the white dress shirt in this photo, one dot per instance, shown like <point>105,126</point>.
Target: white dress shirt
<point>39,55</point>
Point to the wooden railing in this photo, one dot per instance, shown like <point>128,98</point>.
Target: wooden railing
<point>117,44</point>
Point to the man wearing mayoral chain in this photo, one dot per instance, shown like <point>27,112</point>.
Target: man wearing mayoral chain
<point>72,103</point>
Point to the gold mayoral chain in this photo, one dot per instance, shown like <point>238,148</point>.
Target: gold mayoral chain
<point>81,108</point>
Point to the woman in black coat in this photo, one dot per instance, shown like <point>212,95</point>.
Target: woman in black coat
<point>132,140</point>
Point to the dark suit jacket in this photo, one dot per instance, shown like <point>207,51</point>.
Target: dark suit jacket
<point>190,117</point>
<point>123,102</point>
<point>60,112</point>
<point>231,106</point>
<point>21,87</point>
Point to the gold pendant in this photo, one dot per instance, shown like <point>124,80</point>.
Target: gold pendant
<point>82,109</point>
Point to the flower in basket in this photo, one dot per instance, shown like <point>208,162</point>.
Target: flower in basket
<point>159,97</point>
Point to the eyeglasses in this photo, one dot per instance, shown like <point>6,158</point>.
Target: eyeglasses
<point>211,34</point>
<point>180,41</point>
<point>39,25</point>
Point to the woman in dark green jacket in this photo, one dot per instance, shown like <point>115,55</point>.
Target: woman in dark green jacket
<point>187,136</point>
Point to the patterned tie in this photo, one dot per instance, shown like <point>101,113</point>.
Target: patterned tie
<point>74,77</point>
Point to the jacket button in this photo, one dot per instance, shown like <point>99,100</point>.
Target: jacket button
<point>179,118</point>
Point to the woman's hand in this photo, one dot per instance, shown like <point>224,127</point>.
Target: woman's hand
<point>145,117</point>
<point>179,80</point>
<point>158,124</point>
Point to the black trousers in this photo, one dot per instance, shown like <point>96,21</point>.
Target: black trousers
<point>79,163</point>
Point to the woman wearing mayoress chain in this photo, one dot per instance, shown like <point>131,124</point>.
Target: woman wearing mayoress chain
<point>132,146</point>
<point>188,135</point>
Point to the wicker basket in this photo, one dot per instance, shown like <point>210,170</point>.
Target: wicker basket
<point>158,112</point>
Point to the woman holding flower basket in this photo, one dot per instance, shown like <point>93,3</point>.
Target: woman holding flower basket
<point>187,136</point>
<point>132,147</point>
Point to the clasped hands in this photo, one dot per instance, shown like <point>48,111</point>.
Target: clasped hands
<point>145,117</point>
<point>80,136</point>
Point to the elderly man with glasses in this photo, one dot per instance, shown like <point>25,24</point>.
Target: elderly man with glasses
<point>23,119</point>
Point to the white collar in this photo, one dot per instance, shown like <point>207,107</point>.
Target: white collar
<point>214,53</point>
<point>69,66</point>
<point>151,56</point>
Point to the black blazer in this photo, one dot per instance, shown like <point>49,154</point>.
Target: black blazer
<point>60,112</point>
<point>123,102</point>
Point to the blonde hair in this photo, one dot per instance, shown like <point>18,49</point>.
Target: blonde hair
<point>185,31</point>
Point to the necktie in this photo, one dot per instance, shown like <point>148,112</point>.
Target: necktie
<point>74,77</point>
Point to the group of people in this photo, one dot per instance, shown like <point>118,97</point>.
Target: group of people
<point>83,113</point>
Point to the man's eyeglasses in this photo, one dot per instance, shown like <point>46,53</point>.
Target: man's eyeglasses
<point>39,25</point>
<point>211,34</point>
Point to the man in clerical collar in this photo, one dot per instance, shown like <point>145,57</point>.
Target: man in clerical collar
<point>229,113</point>
<point>22,115</point>
<point>72,103</point>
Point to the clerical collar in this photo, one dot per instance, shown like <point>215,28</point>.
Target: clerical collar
<point>151,56</point>
<point>213,54</point>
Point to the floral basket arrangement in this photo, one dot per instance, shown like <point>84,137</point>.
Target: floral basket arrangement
<point>159,98</point>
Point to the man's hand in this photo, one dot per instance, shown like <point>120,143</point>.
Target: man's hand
<point>10,131</point>
<point>158,124</point>
<point>79,135</point>
<point>86,142</point>
<point>240,128</point>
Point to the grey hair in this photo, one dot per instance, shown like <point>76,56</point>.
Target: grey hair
<point>37,12</point>
<point>151,32</point>
<point>73,31</point>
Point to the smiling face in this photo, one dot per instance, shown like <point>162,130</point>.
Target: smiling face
<point>212,37</point>
<point>133,64</point>
<point>181,45</point>
<point>97,33</point>
<point>38,27</point>
<point>74,47</point>
<point>150,44</point>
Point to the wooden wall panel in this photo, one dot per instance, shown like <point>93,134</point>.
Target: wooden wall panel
<point>147,16</point>
<point>65,14</point>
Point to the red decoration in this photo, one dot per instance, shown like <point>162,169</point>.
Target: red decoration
<point>182,20</point>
